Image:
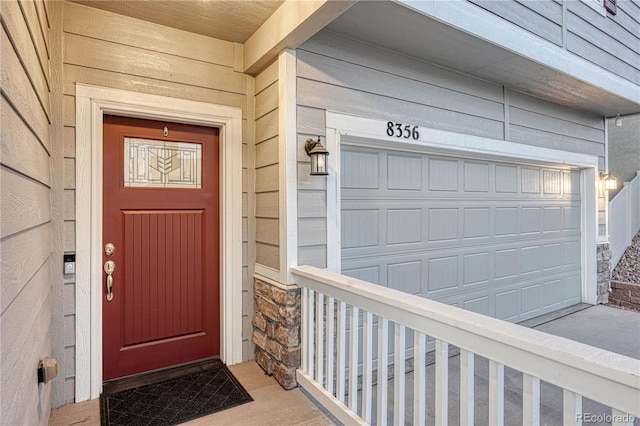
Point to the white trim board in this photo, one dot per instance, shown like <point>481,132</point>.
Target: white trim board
<point>288,164</point>
<point>343,128</point>
<point>91,104</point>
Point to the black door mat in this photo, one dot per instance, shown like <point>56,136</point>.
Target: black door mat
<point>175,400</point>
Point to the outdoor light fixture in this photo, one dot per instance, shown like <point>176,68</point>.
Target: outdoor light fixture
<point>609,181</point>
<point>318,155</point>
<point>618,121</point>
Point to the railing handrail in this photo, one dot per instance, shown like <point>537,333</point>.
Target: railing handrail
<point>604,376</point>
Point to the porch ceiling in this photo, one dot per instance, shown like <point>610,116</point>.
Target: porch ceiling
<point>230,20</point>
<point>400,28</point>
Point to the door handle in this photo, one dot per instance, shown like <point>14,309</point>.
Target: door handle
<point>109,267</point>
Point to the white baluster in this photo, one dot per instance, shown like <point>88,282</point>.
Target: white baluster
<point>496,393</point>
<point>341,366</point>
<point>530,400</point>
<point>320,339</point>
<point>304,329</point>
<point>331,339</point>
<point>367,365</point>
<point>571,408</point>
<point>354,324</point>
<point>383,374</point>
<point>467,371</point>
<point>419,384</point>
<point>311,306</point>
<point>398,375</point>
<point>442,382</point>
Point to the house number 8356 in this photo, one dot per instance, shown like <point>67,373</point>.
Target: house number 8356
<point>405,131</point>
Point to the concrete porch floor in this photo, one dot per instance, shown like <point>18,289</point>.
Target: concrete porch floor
<point>271,405</point>
<point>601,326</point>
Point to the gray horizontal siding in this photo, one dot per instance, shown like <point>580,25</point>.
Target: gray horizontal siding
<point>609,41</point>
<point>25,212</point>
<point>612,42</point>
<point>343,75</point>
<point>267,233</point>
<point>542,17</point>
<point>534,121</point>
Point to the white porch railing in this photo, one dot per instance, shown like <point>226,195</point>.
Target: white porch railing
<point>340,360</point>
<point>624,218</point>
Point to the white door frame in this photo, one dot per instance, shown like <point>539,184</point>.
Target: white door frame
<point>91,104</point>
<point>373,133</point>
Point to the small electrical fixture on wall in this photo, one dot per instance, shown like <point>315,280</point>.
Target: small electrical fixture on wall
<point>611,6</point>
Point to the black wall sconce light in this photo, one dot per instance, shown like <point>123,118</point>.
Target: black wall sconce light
<point>318,155</point>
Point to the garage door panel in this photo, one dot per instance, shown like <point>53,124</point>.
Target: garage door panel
<point>442,273</point>
<point>360,228</point>
<point>476,268</point>
<point>494,237</point>
<point>398,222</point>
<point>370,274</point>
<point>552,256</point>
<point>507,305</point>
<point>571,253</point>
<point>531,257</point>
<point>404,226</point>
<point>404,172</point>
<point>571,289</point>
<point>506,221</point>
<point>434,177</point>
<point>405,276</point>
<point>476,177</point>
<point>552,292</point>
<point>479,305</point>
<point>385,193</point>
<point>506,179</point>
<point>507,264</point>
<point>443,224</point>
<point>360,169</point>
<point>571,182</point>
<point>531,299</point>
<point>459,269</point>
<point>571,217</point>
<point>552,219</point>
<point>531,220</point>
<point>476,222</point>
<point>443,175</point>
<point>530,179</point>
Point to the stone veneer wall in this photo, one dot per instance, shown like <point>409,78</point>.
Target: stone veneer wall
<point>604,272</point>
<point>276,331</point>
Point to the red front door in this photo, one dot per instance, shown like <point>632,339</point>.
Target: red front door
<point>160,215</point>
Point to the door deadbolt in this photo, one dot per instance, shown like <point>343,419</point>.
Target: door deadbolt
<point>109,249</point>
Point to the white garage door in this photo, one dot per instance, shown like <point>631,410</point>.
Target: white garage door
<point>496,238</point>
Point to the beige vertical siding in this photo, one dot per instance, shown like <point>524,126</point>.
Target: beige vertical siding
<point>110,50</point>
<point>25,214</point>
<point>266,168</point>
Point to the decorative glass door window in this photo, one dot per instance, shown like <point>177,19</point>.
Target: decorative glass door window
<point>159,164</point>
